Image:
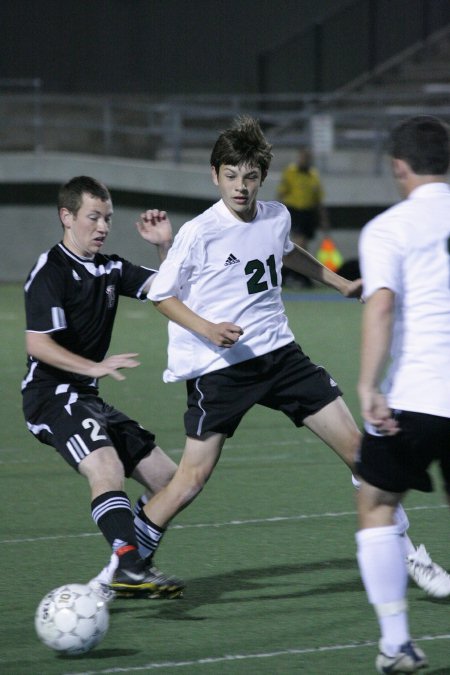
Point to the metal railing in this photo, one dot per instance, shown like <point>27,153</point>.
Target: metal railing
<point>344,49</point>
<point>169,129</point>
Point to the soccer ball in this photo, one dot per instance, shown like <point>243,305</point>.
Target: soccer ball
<point>71,619</point>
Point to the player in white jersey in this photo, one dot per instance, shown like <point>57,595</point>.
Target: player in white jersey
<point>229,338</point>
<point>233,282</point>
<point>405,260</point>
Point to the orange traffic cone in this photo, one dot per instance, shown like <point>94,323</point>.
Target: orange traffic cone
<point>329,255</point>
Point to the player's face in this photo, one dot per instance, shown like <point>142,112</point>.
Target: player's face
<point>85,232</point>
<point>238,186</point>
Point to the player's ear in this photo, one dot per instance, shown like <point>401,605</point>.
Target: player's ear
<point>214,176</point>
<point>399,168</point>
<point>66,217</point>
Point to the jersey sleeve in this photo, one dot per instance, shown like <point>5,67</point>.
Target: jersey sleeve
<point>44,300</point>
<point>381,252</point>
<point>183,263</point>
<point>288,245</point>
<point>133,279</point>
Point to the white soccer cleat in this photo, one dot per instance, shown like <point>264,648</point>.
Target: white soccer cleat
<point>428,575</point>
<point>408,660</point>
<point>100,584</point>
<point>102,590</point>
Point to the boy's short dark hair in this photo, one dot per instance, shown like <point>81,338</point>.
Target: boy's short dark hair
<point>71,193</point>
<point>422,142</point>
<point>243,143</point>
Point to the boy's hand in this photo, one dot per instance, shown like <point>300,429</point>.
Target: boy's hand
<point>155,227</point>
<point>224,334</point>
<point>112,364</point>
<point>353,289</point>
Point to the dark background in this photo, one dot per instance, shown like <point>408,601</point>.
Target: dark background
<point>151,47</point>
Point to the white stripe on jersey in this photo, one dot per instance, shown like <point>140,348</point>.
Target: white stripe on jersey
<point>29,377</point>
<point>77,448</point>
<point>101,270</point>
<point>40,263</point>
<point>89,266</point>
<point>72,399</point>
<point>141,289</point>
<point>37,428</point>
<point>58,318</point>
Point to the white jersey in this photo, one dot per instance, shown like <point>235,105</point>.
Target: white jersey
<point>407,250</point>
<point>226,270</point>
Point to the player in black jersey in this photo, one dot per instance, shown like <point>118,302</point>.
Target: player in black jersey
<point>71,299</point>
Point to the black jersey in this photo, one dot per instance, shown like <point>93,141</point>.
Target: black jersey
<point>75,300</point>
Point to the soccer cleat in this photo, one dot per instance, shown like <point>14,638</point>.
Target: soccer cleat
<point>429,576</point>
<point>154,584</point>
<point>408,660</point>
<point>102,590</point>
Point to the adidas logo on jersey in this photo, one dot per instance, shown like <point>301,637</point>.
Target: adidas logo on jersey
<point>231,260</point>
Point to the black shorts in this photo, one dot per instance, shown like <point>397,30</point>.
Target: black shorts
<point>284,379</point>
<point>400,463</point>
<point>304,222</point>
<point>77,423</point>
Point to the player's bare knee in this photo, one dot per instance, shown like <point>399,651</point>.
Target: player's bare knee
<point>155,470</point>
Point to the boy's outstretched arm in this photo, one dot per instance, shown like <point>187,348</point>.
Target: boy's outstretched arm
<point>43,347</point>
<point>223,334</point>
<point>303,262</point>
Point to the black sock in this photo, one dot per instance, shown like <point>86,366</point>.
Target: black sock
<point>112,513</point>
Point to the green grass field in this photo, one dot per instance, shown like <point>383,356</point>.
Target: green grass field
<point>267,550</point>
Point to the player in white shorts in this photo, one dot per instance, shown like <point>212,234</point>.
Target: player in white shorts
<point>405,261</point>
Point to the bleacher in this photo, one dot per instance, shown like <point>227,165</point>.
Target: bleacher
<point>181,129</point>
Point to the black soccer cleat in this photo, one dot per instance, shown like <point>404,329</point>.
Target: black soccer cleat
<point>153,584</point>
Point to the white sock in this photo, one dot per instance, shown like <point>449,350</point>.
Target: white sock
<point>401,520</point>
<point>107,573</point>
<point>382,565</point>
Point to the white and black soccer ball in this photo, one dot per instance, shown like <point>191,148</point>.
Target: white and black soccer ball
<point>71,619</point>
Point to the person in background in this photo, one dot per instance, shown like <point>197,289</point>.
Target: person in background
<point>405,262</point>
<point>301,191</point>
<point>71,299</point>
